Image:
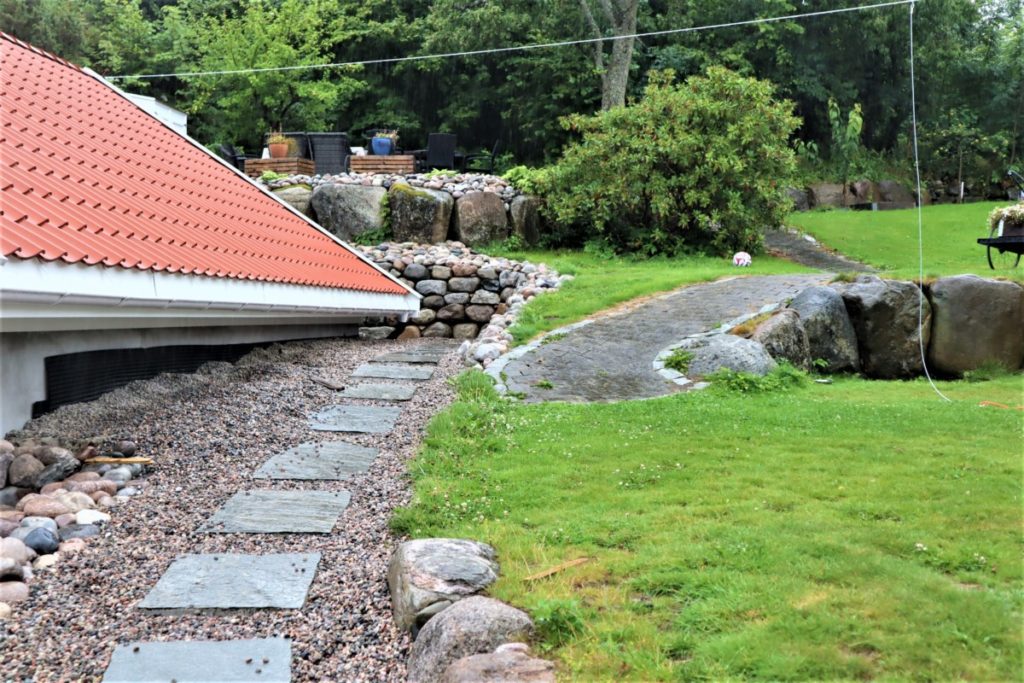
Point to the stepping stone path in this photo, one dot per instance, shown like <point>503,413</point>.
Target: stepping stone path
<point>330,461</point>
<point>265,659</point>
<point>226,581</point>
<point>279,512</point>
<point>365,419</point>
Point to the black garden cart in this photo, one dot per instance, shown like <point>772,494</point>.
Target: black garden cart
<point>1005,243</point>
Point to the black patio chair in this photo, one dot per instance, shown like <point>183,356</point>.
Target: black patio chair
<point>440,153</point>
<point>481,163</point>
<point>231,155</point>
<point>329,151</point>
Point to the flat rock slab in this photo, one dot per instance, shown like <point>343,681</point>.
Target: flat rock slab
<point>279,512</point>
<point>411,357</point>
<point>231,581</point>
<point>382,371</point>
<point>195,661</point>
<point>370,419</point>
<point>331,461</point>
<point>379,392</point>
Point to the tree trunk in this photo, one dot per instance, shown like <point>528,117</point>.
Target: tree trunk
<point>620,16</point>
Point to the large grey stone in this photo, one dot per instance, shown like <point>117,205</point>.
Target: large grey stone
<point>419,215</point>
<point>800,197</point>
<point>348,210</point>
<point>279,512</point>
<point>525,214</point>
<point>438,330</point>
<point>975,321</point>
<point>716,351</point>
<point>894,192</point>
<point>432,287</point>
<point>62,467</point>
<point>331,460</point>
<point>382,371</point>
<point>826,194</point>
<point>426,575</point>
<point>464,284</point>
<point>884,314</point>
<point>830,334</point>
<point>231,581</point>
<point>5,462</point>
<point>376,333</point>
<point>379,392</point>
<point>431,357</point>
<point>202,661</point>
<point>415,271</point>
<point>298,196</point>
<point>451,312</point>
<point>476,625</point>
<point>784,338</point>
<point>23,470</point>
<point>480,219</point>
<point>510,663</point>
<point>366,419</point>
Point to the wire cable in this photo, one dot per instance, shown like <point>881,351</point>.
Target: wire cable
<point>517,48</point>
<point>920,217</point>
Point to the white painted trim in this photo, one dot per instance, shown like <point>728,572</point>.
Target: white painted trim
<point>38,295</point>
<point>261,188</point>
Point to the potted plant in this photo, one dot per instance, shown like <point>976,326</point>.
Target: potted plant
<point>1007,221</point>
<point>278,145</point>
<point>384,142</point>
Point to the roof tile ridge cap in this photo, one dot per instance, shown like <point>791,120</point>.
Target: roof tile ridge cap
<point>37,50</point>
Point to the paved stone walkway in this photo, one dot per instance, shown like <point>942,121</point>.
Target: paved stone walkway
<point>796,247</point>
<point>223,581</point>
<point>610,358</point>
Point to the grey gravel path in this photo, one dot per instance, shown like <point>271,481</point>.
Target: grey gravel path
<point>610,359</point>
<point>796,247</point>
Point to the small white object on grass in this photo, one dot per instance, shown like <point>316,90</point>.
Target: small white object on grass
<point>741,258</point>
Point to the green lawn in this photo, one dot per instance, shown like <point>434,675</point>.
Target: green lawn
<point>849,531</point>
<point>888,239</point>
<point>603,283</point>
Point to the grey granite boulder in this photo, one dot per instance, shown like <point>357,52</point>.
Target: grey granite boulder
<point>894,192</point>
<point>5,463</point>
<point>61,467</point>
<point>480,218</point>
<point>975,321</point>
<point>510,663</point>
<point>476,625</point>
<point>884,314</point>
<point>419,215</point>
<point>525,214</point>
<point>297,196</point>
<point>826,194</point>
<point>375,333</point>
<point>713,352</point>
<point>830,334</point>
<point>784,338</point>
<point>348,210</point>
<point>23,471</point>
<point>800,197</point>
<point>865,191</point>
<point>428,575</point>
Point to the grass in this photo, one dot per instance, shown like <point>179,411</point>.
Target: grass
<point>888,239</point>
<point>602,283</point>
<point>856,530</point>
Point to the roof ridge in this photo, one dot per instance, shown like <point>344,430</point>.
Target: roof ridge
<point>39,51</point>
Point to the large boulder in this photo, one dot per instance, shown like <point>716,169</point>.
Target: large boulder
<point>800,197</point>
<point>784,338</point>
<point>348,210</point>
<point>510,663</point>
<point>975,321</point>
<point>884,314</point>
<point>476,625</point>
<point>865,192</point>
<point>830,334</point>
<point>298,196</point>
<point>713,352</point>
<point>480,219</point>
<point>894,192</point>
<point>430,574</point>
<point>525,213</point>
<point>5,463</point>
<point>826,194</point>
<point>419,215</point>
<point>23,471</point>
<point>58,469</point>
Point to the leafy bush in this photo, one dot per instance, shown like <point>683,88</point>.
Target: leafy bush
<point>527,180</point>
<point>784,376</point>
<point>692,166</point>
<point>679,360</point>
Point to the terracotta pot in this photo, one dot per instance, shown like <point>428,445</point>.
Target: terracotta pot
<point>278,150</point>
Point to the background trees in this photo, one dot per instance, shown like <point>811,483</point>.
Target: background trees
<point>970,60</point>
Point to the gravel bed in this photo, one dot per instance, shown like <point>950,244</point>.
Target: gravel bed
<point>208,433</point>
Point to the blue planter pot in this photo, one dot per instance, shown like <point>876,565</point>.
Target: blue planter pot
<point>381,146</point>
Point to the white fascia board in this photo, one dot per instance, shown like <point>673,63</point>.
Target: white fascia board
<point>31,289</point>
<point>358,254</point>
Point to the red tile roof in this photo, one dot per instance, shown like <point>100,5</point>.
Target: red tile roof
<point>88,177</point>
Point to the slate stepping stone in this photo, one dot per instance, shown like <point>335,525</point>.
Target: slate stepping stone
<point>380,392</point>
<point>333,460</point>
<point>192,661</point>
<point>369,419</point>
<point>231,581</point>
<point>279,512</point>
<point>411,357</point>
<point>383,371</point>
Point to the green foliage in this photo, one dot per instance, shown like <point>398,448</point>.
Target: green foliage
<point>544,384</point>
<point>271,176</point>
<point>781,378</point>
<point>987,371</point>
<point>679,360</point>
<point>528,180</point>
<point>557,621</point>
<point>693,166</point>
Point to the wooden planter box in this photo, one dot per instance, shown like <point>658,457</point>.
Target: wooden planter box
<point>254,168</point>
<point>372,163</point>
